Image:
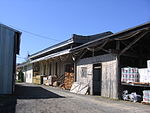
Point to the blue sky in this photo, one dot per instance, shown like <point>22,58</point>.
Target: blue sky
<point>59,19</point>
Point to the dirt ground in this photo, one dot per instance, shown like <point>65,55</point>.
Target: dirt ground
<point>44,99</point>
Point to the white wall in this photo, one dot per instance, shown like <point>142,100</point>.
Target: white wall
<point>109,87</point>
<point>29,74</point>
<point>109,79</point>
<point>88,78</point>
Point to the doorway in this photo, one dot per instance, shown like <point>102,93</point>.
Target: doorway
<point>97,76</point>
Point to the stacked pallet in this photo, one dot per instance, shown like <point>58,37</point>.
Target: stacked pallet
<point>37,79</point>
<point>69,79</point>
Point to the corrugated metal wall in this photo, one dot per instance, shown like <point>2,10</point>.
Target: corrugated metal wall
<point>6,60</point>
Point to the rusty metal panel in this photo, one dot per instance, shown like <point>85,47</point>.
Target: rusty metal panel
<point>7,52</point>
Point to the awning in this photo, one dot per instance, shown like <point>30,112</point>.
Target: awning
<point>51,56</point>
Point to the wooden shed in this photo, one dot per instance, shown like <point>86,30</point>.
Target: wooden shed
<point>99,62</point>
<point>57,61</point>
<point>9,47</point>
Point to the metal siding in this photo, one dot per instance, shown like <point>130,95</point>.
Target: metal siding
<point>6,60</point>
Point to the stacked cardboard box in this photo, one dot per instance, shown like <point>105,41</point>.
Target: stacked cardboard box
<point>143,74</point>
<point>129,74</point>
<point>146,96</point>
<point>48,80</point>
<point>45,80</point>
<point>148,67</point>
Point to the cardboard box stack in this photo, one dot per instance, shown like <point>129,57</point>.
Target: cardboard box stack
<point>144,73</point>
<point>146,96</point>
<point>45,80</point>
<point>129,74</point>
<point>148,67</point>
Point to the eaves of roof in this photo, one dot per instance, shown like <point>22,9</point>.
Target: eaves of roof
<point>112,36</point>
<point>64,43</point>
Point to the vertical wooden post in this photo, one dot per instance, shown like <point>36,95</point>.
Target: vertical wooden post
<point>118,73</point>
<point>92,52</point>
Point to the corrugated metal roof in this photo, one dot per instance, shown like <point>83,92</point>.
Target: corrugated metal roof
<point>10,28</point>
<point>75,39</point>
<point>52,56</point>
<point>112,36</point>
<point>17,36</point>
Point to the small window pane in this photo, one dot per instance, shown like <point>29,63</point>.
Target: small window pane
<point>83,71</point>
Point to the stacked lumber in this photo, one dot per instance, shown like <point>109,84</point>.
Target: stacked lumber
<point>69,79</point>
<point>37,79</point>
<point>141,83</point>
<point>36,73</point>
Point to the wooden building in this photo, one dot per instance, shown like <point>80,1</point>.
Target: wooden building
<point>9,47</point>
<point>99,62</point>
<point>57,60</point>
<point>27,70</point>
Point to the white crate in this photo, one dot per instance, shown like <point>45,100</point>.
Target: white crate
<point>143,74</point>
<point>148,72</point>
<point>148,64</point>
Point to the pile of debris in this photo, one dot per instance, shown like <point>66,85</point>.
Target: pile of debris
<point>133,97</point>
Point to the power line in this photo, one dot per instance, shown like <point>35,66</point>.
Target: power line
<point>35,34</point>
<point>21,57</point>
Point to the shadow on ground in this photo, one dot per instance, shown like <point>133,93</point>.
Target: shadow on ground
<point>8,102</point>
<point>34,92</point>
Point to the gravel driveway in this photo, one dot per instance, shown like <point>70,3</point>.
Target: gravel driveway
<point>44,99</point>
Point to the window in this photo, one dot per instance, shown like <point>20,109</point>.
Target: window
<point>83,71</point>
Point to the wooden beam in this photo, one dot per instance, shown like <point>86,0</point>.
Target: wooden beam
<point>92,50</point>
<point>81,54</point>
<point>100,47</point>
<point>127,45</point>
<point>118,45</point>
<point>132,43</point>
<point>129,54</point>
<point>107,51</point>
